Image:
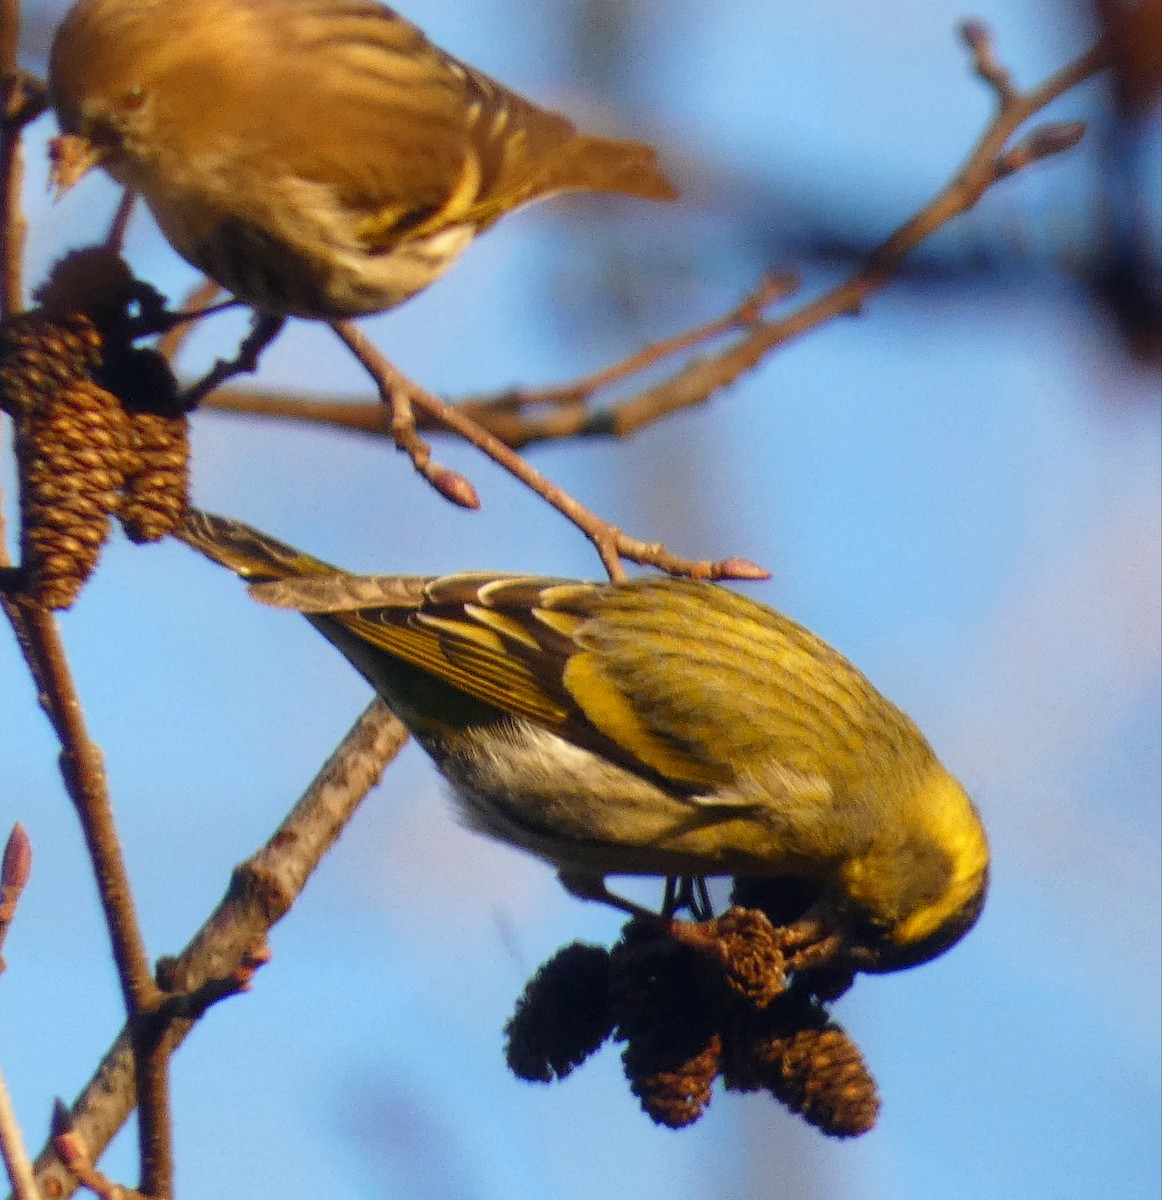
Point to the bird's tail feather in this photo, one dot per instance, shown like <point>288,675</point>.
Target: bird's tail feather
<point>283,577</point>
<point>248,552</point>
<point>606,165</point>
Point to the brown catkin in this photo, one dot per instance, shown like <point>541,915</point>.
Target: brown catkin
<point>820,1074</point>
<point>744,947</point>
<point>158,476</point>
<point>71,454</point>
<point>563,1016</point>
<point>667,1021</point>
<point>674,1096</point>
<point>692,1001</point>
<point>39,356</point>
<point>99,425</point>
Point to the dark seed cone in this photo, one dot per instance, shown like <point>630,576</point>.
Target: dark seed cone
<point>691,1001</point>
<point>158,476</point>
<point>751,1035</point>
<point>677,1096</point>
<point>563,1015</point>
<point>657,982</point>
<point>143,381</point>
<point>815,1069</point>
<point>71,451</point>
<point>96,281</point>
<point>744,947</point>
<point>784,900</point>
<point>668,1022</point>
<point>827,984</point>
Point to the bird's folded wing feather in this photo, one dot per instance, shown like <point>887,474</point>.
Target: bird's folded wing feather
<point>685,692</point>
<point>675,679</point>
<point>406,135</point>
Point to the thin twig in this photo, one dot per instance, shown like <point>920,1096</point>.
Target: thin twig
<point>264,330</point>
<point>23,98</point>
<point>16,1160</point>
<point>261,891</point>
<point>15,226</point>
<point>398,394</point>
<point>562,411</point>
<point>200,297</point>
<point>115,238</point>
<point>984,166</point>
<point>78,1159</point>
<point>500,415</point>
<point>14,114</point>
<point>611,543</point>
<point>84,776</point>
<point>9,34</point>
<point>10,220</point>
<point>748,312</point>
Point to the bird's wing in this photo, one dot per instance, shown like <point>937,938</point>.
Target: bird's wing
<point>715,683</point>
<point>407,135</point>
<point>498,657</point>
<point>672,678</point>
<point>507,640</point>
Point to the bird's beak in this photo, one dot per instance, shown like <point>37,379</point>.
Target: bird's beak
<point>72,157</point>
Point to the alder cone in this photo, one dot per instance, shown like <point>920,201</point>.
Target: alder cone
<point>71,454</point>
<point>158,476</point>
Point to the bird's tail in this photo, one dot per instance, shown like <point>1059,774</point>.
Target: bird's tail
<point>606,165</point>
<point>248,552</point>
<point>283,577</point>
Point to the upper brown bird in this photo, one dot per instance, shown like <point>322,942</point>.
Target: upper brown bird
<point>317,158</point>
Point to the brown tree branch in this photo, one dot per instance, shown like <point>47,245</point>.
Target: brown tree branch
<point>261,891</point>
<point>22,99</point>
<point>75,1154</point>
<point>12,1150</point>
<point>200,297</point>
<point>83,771</point>
<point>14,871</point>
<point>561,411</point>
<point>115,238</point>
<point>744,315</point>
<point>11,221</point>
<point>14,225</point>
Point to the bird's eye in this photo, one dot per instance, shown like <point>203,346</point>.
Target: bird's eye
<point>134,98</point>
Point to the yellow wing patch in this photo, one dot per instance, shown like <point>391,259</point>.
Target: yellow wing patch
<point>607,708</point>
<point>510,628</point>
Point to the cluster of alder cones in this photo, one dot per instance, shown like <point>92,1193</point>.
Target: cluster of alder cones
<point>694,1001</point>
<point>99,430</point>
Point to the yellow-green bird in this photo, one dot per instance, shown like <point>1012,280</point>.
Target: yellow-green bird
<point>657,726</point>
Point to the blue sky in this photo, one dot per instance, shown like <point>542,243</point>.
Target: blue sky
<point>959,489</point>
